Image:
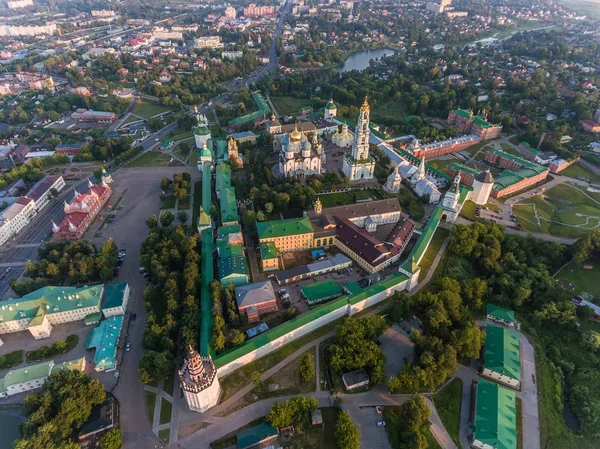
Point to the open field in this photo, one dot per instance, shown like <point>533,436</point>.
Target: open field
<point>509,149</point>
<point>289,105</point>
<point>434,247</point>
<point>584,281</point>
<point>447,402</point>
<point>336,199</point>
<point>152,159</point>
<point>564,210</point>
<point>468,210</point>
<point>590,8</point>
<point>146,108</point>
<point>580,172</point>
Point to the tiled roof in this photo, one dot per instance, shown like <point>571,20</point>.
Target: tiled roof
<point>104,339</point>
<point>281,228</point>
<point>496,417</point>
<point>254,294</point>
<point>502,352</point>
<point>113,295</point>
<point>321,290</point>
<point>268,250</point>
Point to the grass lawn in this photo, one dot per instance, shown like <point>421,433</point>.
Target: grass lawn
<point>242,377</point>
<point>164,435</point>
<point>587,281</point>
<point>519,423</point>
<point>184,204</point>
<point>447,402</point>
<point>132,118</point>
<point>165,411</point>
<point>193,158</point>
<point>509,149</point>
<point>381,111</point>
<point>11,359</point>
<point>322,437</point>
<point>181,134</point>
<point>336,199</point>
<point>434,247</point>
<point>152,159</point>
<point>289,105</point>
<point>147,108</point>
<point>391,416</point>
<point>168,202</point>
<point>468,210</point>
<point>169,384</point>
<point>580,172</point>
<point>373,194</point>
<point>150,398</point>
<point>442,164</point>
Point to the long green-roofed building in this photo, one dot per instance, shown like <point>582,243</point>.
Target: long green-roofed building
<point>501,315</point>
<point>502,357</point>
<point>104,339</point>
<point>287,235</point>
<point>495,417</point>
<point>321,291</point>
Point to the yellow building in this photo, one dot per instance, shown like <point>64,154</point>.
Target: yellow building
<point>269,256</point>
<point>293,234</point>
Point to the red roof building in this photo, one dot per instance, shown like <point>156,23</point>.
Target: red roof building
<point>81,212</point>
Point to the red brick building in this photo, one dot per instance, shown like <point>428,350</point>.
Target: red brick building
<point>590,126</point>
<point>254,299</point>
<point>467,122</point>
<point>442,147</point>
<point>69,148</point>
<point>81,212</point>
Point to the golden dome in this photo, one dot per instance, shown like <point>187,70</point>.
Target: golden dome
<point>365,106</point>
<point>296,136</point>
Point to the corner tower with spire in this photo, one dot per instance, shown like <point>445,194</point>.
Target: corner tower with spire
<point>199,382</point>
<point>358,164</point>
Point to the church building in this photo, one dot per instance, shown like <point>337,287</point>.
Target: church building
<point>344,138</point>
<point>358,164</point>
<point>202,131</point>
<point>298,157</point>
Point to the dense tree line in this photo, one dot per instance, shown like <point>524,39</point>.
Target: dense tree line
<point>80,261</point>
<point>58,410</point>
<point>31,171</point>
<point>171,259</point>
<point>411,422</point>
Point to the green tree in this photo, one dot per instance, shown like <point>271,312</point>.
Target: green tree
<point>166,219</point>
<point>236,337</point>
<point>347,433</point>
<point>155,366</point>
<point>111,439</point>
<point>183,216</point>
<point>307,367</point>
<point>152,222</point>
<point>295,411</point>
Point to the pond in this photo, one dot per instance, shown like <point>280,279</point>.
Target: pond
<point>570,418</point>
<point>360,60</point>
<point>9,427</point>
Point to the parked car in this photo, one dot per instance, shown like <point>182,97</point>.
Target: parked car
<point>133,316</point>
<point>128,347</point>
<point>379,409</point>
<point>271,276</point>
<point>380,423</point>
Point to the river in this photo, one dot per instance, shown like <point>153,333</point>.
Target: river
<point>9,427</point>
<point>360,59</point>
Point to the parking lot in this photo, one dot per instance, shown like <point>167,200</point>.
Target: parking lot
<point>397,347</point>
<point>372,435</point>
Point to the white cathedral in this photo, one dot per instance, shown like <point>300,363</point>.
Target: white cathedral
<point>298,157</point>
<point>358,164</point>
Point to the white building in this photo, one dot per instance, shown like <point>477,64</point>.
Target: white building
<point>14,4</point>
<point>298,157</point>
<point>202,131</point>
<point>450,204</point>
<point>358,164</point>
<point>330,110</point>
<point>162,33</point>
<point>209,42</point>
<point>15,217</point>
<point>199,382</point>
<point>116,297</point>
<point>422,185</point>
<point>394,182</point>
<point>343,138</point>
<point>34,376</point>
<point>482,188</point>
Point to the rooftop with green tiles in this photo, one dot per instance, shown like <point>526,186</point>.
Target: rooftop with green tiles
<point>502,352</point>
<point>224,231</point>
<point>456,166</point>
<point>514,158</point>
<point>422,244</point>
<point>228,203</point>
<point>104,339</point>
<point>483,122</point>
<point>282,228</point>
<point>509,178</point>
<point>113,295</point>
<point>465,113</point>
<point>268,251</point>
<point>495,416</point>
<point>233,265</point>
<point>50,300</point>
<point>320,291</point>
<point>226,250</point>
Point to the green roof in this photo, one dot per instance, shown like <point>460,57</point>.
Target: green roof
<point>466,113</point>
<point>500,313</point>
<point>255,435</point>
<point>502,352</point>
<point>38,320</point>
<point>226,250</point>
<point>166,143</point>
<point>483,122</point>
<point>495,416</point>
<point>50,300</point>
<point>206,317</point>
<point>422,244</point>
<point>455,166</point>
<point>231,267</point>
<point>320,291</point>
<point>224,231</point>
<point>530,149</point>
<point>228,202</point>
<point>113,295</point>
<point>220,145</point>
<point>93,318</point>
<point>71,365</point>
<point>104,339</point>
<point>201,131</point>
<point>268,250</point>
<point>28,373</point>
<point>263,109</point>
<point>281,228</point>
<point>353,288</point>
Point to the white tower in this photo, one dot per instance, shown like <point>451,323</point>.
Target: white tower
<point>202,131</point>
<point>358,164</point>
<point>482,188</point>
<point>199,382</point>
<point>330,110</point>
<point>394,182</point>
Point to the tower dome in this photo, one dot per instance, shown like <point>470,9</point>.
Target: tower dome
<point>296,136</point>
